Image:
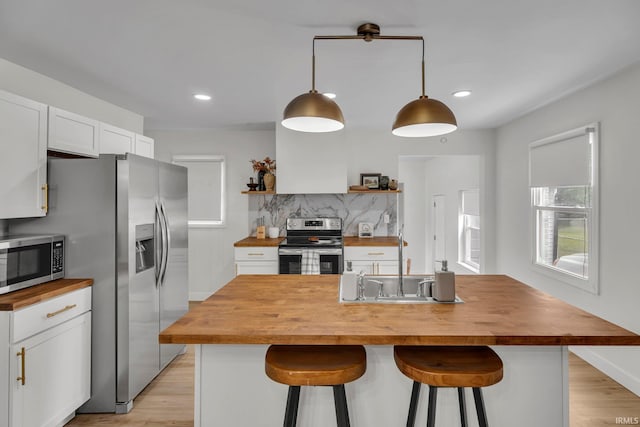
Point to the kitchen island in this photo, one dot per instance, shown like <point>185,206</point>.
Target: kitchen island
<point>530,331</point>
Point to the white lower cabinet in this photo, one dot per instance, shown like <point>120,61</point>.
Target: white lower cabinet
<point>48,371</point>
<point>256,260</point>
<point>372,259</point>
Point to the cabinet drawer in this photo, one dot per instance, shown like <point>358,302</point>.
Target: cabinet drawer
<point>257,253</point>
<point>371,253</point>
<point>38,317</point>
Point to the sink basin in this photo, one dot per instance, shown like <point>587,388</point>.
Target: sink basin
<point>348,285</point>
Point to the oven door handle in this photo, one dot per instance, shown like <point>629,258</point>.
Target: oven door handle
<point>283,251</point>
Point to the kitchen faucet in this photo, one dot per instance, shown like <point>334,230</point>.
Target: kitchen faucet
<point>400,244</point>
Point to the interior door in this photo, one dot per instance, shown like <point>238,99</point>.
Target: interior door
<point>173,281</point>
<point>438,210</point>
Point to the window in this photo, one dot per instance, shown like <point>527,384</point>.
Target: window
<point>207,195</point>
<point>563,180</point>
<point>469,229</point>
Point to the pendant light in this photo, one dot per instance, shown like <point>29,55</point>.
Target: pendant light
<point>314,112</point>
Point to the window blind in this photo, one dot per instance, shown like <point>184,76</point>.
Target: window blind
<point>471,202</point>
<point>562,160</point>
<point>206,187</point>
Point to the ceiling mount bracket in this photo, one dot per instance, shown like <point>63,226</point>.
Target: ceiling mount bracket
<point>369,31</point>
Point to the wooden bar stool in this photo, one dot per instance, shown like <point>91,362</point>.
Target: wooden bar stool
<point>448,366</point>
<point>315,365</point>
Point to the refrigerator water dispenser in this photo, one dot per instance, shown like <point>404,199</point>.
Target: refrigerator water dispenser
<point>144,247</point>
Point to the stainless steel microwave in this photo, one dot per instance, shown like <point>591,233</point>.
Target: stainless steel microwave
<point>27,260</point>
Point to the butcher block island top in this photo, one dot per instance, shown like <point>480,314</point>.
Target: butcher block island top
<point>297,309</point>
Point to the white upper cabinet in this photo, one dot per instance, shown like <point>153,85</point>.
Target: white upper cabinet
<point>23,163</point>
<point>310,162</point>
<point>114,140</point>
<point>72,133</point>
<point>144,146</point>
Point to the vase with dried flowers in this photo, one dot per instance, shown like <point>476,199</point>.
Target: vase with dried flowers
<point>266,173</point>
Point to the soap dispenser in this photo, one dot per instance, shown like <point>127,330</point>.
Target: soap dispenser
<point>444,287</point>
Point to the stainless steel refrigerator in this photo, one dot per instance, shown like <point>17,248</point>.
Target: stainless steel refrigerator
<point>125,221</point>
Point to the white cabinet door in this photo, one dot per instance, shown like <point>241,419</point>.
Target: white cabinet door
<point>72,133</point>
<point>23,163</point>
<point>372,259</point>
<point>144,146</point>
<point>388,267</point>
<point>256,260</point>
<point>56,368</point>
<point>114,140</point>
<point>256,267</point>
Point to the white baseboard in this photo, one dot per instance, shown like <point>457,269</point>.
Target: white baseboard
<point>615,372</point>
<point>199,296</point>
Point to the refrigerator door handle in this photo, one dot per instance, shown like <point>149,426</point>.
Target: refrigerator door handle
<point>159,249</point>
<point>166,241</point>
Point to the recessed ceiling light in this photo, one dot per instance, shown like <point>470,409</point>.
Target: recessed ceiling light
<point>461,93</point>
<point>202,97</point>
<point>330,95</point>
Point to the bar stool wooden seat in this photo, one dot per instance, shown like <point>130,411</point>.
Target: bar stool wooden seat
<point>315,365</point>
<point>448,366</point>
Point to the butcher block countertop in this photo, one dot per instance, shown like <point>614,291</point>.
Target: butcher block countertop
<point>371,241</point>
<point>250,242</point>
<point>28,296</point>
<point>303,309</point>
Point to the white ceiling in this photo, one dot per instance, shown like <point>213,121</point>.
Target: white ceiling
<point>253,56</point>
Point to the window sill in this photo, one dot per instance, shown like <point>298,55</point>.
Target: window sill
<point>588,285</point>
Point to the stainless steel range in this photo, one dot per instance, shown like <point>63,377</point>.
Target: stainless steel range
<point>319,238</point>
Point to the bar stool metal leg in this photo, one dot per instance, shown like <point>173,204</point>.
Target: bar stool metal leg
<point>291,413</point>
<point>463,410</point>
<point>482,414</point>
<point>431,412</point>
<point>413,405</point>
<point>340,400</point>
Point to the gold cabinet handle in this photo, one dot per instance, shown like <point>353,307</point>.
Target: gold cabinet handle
<point>376,253</point>
<point>256,254</point>
<point>62,310</point>
<point>22,378</point>
<point>45,189</point>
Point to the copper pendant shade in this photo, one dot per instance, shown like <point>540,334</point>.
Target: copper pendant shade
<point>314,112</point>
<point>424,117</point>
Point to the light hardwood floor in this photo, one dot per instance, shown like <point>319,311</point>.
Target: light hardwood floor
<point>595,399</point>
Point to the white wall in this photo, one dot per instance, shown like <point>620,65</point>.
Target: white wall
<point>615,103</point>
<point>211,261</point>
<point>38,87</point>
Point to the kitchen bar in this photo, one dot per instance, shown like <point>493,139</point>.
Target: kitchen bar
<point>530,330</point>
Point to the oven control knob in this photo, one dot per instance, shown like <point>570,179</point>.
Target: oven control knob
<point>334,224</point>
<point>293,223</point>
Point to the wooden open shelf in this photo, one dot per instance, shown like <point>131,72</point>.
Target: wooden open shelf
<point>374,191</point>
<point>258,192</point>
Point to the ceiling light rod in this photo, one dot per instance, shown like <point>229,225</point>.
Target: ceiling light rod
<point>367,32</point>
<point>313,112</point>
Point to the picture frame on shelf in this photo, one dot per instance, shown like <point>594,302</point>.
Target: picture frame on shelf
<point>370,180</point>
